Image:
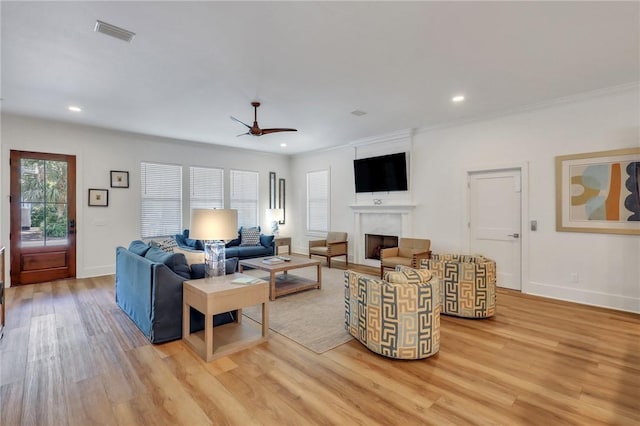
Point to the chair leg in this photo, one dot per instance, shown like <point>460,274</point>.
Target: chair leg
<point>381,271</point>
<point>346,260</point>
<point>329,262</point>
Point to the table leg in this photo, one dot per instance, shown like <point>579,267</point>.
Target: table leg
<point>208,337</point>
<point>272,285</point>
<point>265,319</point>
<point>319,276</point>
<point>240,268</point>
<point>186,320</point>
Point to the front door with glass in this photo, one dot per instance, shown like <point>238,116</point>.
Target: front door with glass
<point>43,209</point>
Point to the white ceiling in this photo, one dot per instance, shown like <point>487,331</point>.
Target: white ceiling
<point>193,64</point>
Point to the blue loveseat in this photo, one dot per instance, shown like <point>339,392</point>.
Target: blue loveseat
<point>234,248</point>
<point>149,290</point>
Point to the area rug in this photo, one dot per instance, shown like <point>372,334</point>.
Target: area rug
<point>313,318</point>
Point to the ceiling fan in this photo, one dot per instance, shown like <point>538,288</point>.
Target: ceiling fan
<point>255,130</point>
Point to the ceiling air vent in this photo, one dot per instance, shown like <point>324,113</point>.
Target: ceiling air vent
<point>358,113</point>
<point>113,31</point>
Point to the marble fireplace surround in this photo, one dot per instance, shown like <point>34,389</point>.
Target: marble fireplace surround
<point>383,219</point>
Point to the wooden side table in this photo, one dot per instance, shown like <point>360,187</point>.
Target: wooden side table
<point>281,242</point>
<point>215,295</point>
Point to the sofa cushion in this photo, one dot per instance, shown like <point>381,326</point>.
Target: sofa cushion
<point>232,251</point>
<point>192,256</point>
<point>167,244</point>
<point>252,251</point>
<point>250,237</point>
<point>180,240</point>
<point>266,240</point>
<point>177,262</point>
<point>233,243</point>
<point>139,247</point>
<point>190,242</point>
<point>198,270</point>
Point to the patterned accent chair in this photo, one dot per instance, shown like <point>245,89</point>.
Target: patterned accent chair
<point>468,284</point>
<point>335,244</point>
<point>398,317</point>
<point>410,252</point>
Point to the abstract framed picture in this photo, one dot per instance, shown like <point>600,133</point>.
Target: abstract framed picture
<point>599,192</point>
<point>119,179</point>
<point>98,197</point>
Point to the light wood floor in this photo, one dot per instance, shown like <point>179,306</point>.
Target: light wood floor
<point>71,356</point>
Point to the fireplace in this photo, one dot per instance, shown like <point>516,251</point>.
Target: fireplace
<point>373,243</point>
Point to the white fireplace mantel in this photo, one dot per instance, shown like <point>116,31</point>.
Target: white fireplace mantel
<point>381,214</point>
<point>382,208</point>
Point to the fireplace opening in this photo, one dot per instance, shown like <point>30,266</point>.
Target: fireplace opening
<point>373,243</point>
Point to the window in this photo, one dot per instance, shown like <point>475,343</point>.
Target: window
<point>318,201</point>
<point>161,206</point>
<point>206,186</point>
<point>244,196</point>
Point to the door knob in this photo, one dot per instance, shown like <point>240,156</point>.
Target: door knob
<point>515,235</point>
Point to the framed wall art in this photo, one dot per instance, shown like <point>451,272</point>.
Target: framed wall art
<point>119,179</point>
<point>281,199</point>
<point>599,192</point>
<point>98,197</point>
<point>272,190</point>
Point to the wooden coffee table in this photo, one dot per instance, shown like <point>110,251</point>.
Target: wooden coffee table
<point>285,283</point>
<point>215,295</point>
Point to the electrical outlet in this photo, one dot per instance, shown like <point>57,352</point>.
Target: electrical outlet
<point>574,277</point>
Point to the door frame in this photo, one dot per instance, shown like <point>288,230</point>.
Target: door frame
<point>524,213</point>
<point>72,206</point>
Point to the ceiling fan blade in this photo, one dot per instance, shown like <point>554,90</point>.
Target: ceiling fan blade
<point>267,131</point>
<point>233,118</point>
<point>242,134</point>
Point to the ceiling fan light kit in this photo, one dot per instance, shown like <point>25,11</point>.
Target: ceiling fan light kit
<point>255,130</point>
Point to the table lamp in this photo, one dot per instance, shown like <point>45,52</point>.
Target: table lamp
<point>213,226</point>
<point>275,216</point>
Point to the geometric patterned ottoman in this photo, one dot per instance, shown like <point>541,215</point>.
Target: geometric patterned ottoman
<point>399,316</point>
<point>469,284</point>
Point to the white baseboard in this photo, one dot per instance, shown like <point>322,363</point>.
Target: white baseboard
<point>97,271</point>
<point>586,297</point>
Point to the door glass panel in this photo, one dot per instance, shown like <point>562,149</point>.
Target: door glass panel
<point>43,188</point>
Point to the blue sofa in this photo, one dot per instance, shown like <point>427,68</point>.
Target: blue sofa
<point>266,247</point>
<point>149,290</point>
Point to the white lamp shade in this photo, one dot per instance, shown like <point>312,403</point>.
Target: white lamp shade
<point>214,224</point>
<point>275,214</point>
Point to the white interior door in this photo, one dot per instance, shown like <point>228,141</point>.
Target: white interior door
<point>495,220</point>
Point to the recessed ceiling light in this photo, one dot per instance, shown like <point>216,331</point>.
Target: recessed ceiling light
<point>358,113</point>
<point>284,145</point>
<point>458,98</point>
<point>75,108</point>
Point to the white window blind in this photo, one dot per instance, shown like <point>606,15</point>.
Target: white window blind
<point>318,201</point>
<point>244,196</point>
<point>206,186</point>
<point>161,206</point>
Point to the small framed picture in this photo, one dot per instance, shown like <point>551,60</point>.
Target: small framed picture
<point>119,179</point>
<point>99,197</point>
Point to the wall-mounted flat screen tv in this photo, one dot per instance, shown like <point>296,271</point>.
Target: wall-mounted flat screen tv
<point>381,174</point>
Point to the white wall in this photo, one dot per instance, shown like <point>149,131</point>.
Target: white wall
<point>101,230</point>
<point>608,265</point>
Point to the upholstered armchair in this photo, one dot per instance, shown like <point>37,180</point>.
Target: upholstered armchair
<point>335,244</point>
<point>398,317</point>
<point>468,284</point>
<point>410,252</point>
